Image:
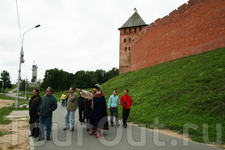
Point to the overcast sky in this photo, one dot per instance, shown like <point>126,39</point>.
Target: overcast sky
<point>74,34</point>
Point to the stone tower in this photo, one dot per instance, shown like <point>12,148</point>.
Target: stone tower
<point>34,74</point>
<point>127,32</point>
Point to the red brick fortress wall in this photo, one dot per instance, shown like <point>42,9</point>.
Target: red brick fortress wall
<point>193,28</point>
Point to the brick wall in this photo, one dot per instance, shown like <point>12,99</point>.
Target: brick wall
<point>193,28</point>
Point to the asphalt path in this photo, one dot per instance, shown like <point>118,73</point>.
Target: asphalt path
<point>116,138</point>
<point>14,95</point>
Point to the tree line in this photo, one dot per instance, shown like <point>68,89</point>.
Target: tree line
<point>61,80</point>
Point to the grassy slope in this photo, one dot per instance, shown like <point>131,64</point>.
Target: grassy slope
<point>187,90</point>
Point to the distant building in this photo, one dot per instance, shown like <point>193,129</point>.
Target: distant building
<point>34,74</point>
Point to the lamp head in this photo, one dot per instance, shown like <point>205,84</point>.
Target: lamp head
<point>37,26</point>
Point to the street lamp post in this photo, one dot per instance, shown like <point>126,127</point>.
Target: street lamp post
<point>26,85</point>
<point>19,71</point>
<point>26,88</point>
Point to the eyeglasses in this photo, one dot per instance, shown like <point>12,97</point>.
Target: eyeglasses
<point>48,91</point>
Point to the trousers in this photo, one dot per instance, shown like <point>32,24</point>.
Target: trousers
<point>45,121</point>
<point>125,113</point>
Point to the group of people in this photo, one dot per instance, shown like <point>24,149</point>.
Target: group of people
<point>125,101</point>
<point>92,111</point>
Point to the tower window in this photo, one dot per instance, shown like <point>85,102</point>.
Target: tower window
<point>124,40</point>
<point>129,39</point>
<point>129,48</point>
<point>124,31</point>
<point>125,48</point>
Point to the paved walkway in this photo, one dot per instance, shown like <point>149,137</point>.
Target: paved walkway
<point>117,138</point>
<point>18,114</point>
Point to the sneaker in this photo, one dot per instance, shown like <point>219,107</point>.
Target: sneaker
<point>65,128</point>
<point>72,129</point>
<point>112,124</point>
<point>81,123</point>
<point>87,129</point>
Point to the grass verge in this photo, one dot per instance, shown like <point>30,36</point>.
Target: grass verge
<point>186,93</point>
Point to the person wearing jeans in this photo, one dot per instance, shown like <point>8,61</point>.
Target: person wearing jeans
<point>112,106</point>
<point>46,107</point>
<point>125,102</point>
<point>69,118</point>
<point>70,110</point>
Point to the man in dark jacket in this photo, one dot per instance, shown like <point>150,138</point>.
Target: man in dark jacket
<point>81,109</point>
<point>33,112</point>
<point>48,105</point>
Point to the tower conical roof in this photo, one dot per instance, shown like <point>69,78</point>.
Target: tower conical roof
<point>133,21</point>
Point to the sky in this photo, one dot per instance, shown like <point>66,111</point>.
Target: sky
<point>74,34</point>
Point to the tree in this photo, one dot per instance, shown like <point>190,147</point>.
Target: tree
<point>23,84</point>
<point>57,79</point>
<point>82,79</point>
<point>5,80</point>
<point>112,73</point>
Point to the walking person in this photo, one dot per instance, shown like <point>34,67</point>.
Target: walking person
<point>126,102</point>
<point>113,107</point>
<point>87,110</point>
<point>34,102</point>
<point>46,107</point>
<point>63,99</point>
<point>81,109</point>
<point>98,115</point>
<point>70,110</point>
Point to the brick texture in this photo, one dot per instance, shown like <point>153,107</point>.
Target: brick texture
<point>193,28</point>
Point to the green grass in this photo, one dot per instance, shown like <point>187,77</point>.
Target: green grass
<point>13,146</point>
<point>9,89</point>
<point>189,90</point>
<point>3,96</point>
<point>2,132</point>
<point>5,111</point>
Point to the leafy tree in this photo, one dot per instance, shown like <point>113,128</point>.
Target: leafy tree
<point>57,79</point>
<point>82,79</point>
<point>113,72</point>
<point>23,83</point>
<point>5,80</point>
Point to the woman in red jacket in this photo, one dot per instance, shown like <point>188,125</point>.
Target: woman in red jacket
<point>126,102</point>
